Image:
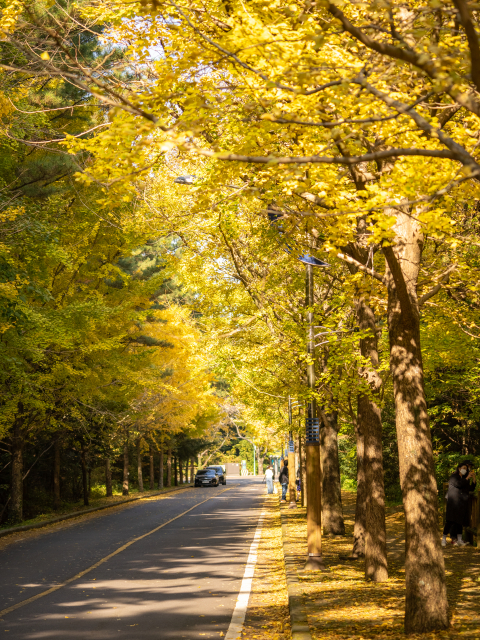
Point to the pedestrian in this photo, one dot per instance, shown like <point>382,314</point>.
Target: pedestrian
<point>299,484</point>
<point>459,486</point>
<point>283,479</point>
<point>269,479</point>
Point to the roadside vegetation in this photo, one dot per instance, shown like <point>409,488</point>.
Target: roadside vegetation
<point>167,170</point>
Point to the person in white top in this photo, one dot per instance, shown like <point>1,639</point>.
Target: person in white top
<point>269,479</point>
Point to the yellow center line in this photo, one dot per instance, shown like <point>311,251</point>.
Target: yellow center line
<point>97,564</point>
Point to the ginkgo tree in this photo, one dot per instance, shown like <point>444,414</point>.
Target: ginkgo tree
<point>357,121</point>
<point>85,317</point>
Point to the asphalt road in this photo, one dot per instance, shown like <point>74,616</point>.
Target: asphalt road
<point>181,581</point>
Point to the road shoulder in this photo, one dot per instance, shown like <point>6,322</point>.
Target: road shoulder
<point>268,615</point>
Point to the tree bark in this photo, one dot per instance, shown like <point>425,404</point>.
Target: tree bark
<point>370,418</point>
<point>83,459</point>
<point>56,475</point>
<point>332,512</point>
<point>259,461</point>
<point>152,469</point>
<point>169,468</point>
<point>175,471</point>
<point>192,470</point>
<point>358,549</point>
<point>180,469</point>
<point>426,607</point>
<point>369,532</point>
<point>139,465</point>
<point>301,464</point>
<point>15,512</point>
<point>160,470</point>
<point>108,478</point>
<point>304,472</point>
<point>89,475</point>
<point>125,466</point>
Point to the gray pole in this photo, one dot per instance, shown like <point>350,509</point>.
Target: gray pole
<point>312,442</point>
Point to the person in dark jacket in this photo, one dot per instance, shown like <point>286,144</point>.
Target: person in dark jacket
<point>461,483</point>
<point>283,479</point>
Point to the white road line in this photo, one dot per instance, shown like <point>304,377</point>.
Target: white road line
<point>240,611</point>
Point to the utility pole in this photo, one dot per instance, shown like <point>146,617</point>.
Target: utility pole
<point>312,445</point>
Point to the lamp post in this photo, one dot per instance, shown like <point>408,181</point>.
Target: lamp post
<point>312,445</point>
<point>312,427</point>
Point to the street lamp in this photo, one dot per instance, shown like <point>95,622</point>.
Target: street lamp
<point>189,179</point>
<point>312,426</point>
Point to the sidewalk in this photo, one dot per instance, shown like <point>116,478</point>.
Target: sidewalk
<point>340,604</point>
<point>267,615</point>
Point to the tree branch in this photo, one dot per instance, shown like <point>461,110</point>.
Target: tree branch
<point>459,152</point>
<point>444,278</point>
<point>362,267</point>
<point>469,27</point>
<point>351,160</point>
<point>386,49</point>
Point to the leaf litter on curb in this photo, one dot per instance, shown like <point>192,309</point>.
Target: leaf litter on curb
<point>267,615</point>
<point>341,605</point>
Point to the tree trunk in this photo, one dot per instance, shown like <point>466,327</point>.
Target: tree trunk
<point>332,512</point>
<point>303,459</point>
<point>192,470</point>
<point>358,549</point>
<point>175,471</point>
<point>169,468</point>
<point>83,459</point>
<point>139,465</point>
<point>180,469</point>
<point>160,470</point>
<point>56,475</point>
<point>108,478</point>
<point>16,504</point>
<point>187,463</point>
<point>369,531</point>
<point>89,473</point>
<point>125,465</point>
<point>297,456</point>
<point>259,461</point>
<point>301,466</point>
<point>426,607</point>
<point>370,418</point>
<point>152,469</point>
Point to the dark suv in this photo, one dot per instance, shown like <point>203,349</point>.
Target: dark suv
<point>206,478</point>
<point>219,471</point>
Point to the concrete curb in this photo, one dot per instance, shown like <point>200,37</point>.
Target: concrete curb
<point>296,602</point>
<point>77,514</point>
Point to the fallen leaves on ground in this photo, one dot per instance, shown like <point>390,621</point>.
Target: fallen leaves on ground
<point>341,605</point>
<point>267,616</point>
